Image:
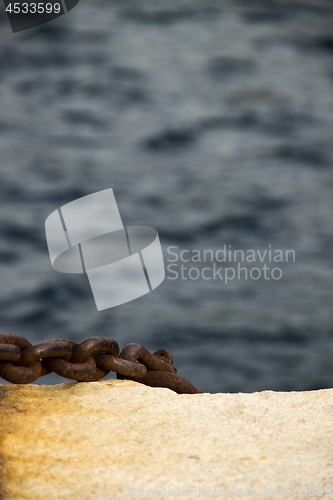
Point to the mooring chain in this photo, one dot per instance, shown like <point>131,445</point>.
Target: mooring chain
<point>23,363</point>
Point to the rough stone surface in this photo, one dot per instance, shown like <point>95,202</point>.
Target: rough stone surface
<point>91,440</point>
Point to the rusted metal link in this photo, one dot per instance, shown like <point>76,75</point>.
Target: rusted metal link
<point>82,372</point>
<point>121,366</point>
<point>92,359</point>
<point>165,355</point>
<point>172,381</point>
<point>45,369</point>
<point>13,339</point>
<point>18,374</point>
<point>9,352</point>
<point>136,352</point>
<point>93,345</point>
<point>82,366</point>
<point>47,349</point>
<point>160,370</point>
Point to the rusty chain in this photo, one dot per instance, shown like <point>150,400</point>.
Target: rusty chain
<point>91,360</point>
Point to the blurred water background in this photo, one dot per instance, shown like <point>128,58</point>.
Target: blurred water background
<point>212,120</point>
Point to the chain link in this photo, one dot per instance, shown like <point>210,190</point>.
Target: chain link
<point>92,359</point>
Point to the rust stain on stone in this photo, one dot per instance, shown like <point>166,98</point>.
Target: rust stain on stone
<point>27,418</point>
<point>46,430</point>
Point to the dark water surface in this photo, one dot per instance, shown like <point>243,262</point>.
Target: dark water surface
<point>213,123</point>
